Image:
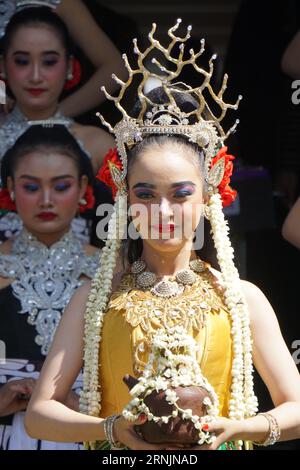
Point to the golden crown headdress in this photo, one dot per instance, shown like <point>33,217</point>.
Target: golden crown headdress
<point>168,118</point>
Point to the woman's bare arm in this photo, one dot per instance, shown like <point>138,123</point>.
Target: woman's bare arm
<point>96,141</point>
<point>291,226</point>
<point>290,62</point>
<point>276,367</point>
<point>101,52</point>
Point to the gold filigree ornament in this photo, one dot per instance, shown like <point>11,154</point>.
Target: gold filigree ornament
<point>201,126</point>
<point>117,177</point>
<point>145,310</point>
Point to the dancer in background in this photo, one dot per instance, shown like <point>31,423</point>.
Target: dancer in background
<point>36,60</point>
<point>85,33</point>
<point>47,180</point>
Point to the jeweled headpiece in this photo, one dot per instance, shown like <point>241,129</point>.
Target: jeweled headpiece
<point>201,126</point>
<point>51,122</point>
<point>9,7</point>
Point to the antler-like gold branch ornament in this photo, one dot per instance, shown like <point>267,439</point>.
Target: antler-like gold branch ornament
<point>168,119</point>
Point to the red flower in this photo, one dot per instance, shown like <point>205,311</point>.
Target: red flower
<point>104,173</point>
<point>6,203</point>
<point>77,72</point>
<point>90,200</point>
<point>228,194</point>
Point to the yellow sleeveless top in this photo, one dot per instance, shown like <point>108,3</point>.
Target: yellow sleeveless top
<point>131,320</point>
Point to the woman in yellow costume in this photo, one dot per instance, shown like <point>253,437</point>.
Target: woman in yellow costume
<point>173,161</point>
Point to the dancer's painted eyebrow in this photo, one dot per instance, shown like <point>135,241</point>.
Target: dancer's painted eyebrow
<point>174,185</point>
<point>183,183</point>
<point>28,53</point>
<point>144,185</point>
<point>29,177</point>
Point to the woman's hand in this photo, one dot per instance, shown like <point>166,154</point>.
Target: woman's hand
<point>8,106</point>
<point>15,395</point>
<point>224,429</point>
<point>125,433</point>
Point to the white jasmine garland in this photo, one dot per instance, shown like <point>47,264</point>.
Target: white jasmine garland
<point>181,369</point>
<point>243,402</point>
<point>90,400</point>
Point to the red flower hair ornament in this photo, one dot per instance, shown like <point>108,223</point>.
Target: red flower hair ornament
<point>76,75</point>
<point>6,203</point>
<point>111,162</point>
<point>228,195</point>
<point>89,198</point>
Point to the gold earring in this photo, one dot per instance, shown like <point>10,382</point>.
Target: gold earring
<point>83,202</point>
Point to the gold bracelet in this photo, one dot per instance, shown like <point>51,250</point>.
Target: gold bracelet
<point>274,431</point>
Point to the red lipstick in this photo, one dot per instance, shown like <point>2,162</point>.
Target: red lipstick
<point>36,91</point>
<point>165,228</point>
<point>47,216</point>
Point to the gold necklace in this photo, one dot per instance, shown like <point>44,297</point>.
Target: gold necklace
<point>166,288</point>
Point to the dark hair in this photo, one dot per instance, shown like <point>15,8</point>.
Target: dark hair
<point>132,249</point>
<point>186,102</point>
<point>36,16</point>
<point>40,138</point>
